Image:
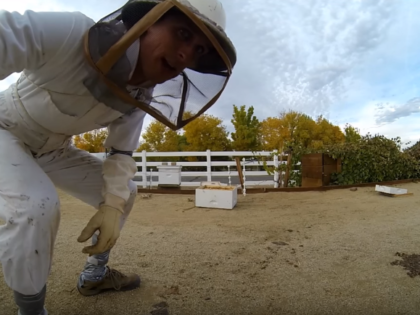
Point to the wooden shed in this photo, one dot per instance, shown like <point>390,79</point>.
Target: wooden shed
<point>316,169</point>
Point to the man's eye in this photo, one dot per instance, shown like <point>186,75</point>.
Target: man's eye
<point>184,34</point>
<point>201,50</point>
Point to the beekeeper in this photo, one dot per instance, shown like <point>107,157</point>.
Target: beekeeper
<point>156,57</point>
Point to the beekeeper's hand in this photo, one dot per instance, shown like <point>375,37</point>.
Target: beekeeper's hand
<point>107,221</point>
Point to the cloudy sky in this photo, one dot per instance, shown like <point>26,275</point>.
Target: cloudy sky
<point>353,61</point>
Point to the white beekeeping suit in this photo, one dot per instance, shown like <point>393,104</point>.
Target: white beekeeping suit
<point>38,115</point>
<point>72,80</point>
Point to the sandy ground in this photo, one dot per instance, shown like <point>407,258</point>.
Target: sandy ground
<point>336,260</point>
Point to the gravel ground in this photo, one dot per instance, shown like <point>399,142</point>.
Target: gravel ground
<point>335,252</point>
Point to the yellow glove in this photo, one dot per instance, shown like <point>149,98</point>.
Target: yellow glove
<point>107,221</point>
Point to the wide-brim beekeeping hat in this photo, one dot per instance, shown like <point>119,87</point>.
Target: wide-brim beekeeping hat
<point>194,90</point>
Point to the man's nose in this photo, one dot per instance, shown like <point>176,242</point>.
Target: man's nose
<point>186,55</point>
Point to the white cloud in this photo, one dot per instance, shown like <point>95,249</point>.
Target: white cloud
<point>387,112</point>
<point>312,47</point>
<point>407,129</point>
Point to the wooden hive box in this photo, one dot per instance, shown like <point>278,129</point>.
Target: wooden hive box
<point>316,169</point>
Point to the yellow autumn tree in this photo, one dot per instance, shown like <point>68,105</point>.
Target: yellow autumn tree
<point>272,134</point>
<point>206,133</point>
<point>288,129</point>
<point>299,128</point>
<point>92,141</point>
<point>159,138</point>
<point>326,133</point>
<point>292,128</point>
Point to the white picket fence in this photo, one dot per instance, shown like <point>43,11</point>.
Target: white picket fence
<point>144,178</point>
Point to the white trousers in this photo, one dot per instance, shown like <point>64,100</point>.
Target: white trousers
<point>30,207</point>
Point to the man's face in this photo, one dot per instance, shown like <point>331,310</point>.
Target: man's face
<point>167,48</point>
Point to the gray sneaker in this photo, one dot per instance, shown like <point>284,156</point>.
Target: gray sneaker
<point>113,280</point>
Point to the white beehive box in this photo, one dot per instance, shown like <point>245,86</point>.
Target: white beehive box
<point>216,195</point>
<point>169,175</point>
<point>390,190</point>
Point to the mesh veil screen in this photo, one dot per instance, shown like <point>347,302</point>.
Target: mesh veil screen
<point>199,90</point>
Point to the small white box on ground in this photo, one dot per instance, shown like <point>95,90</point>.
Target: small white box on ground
<point>216,196</point>
<point>212,184</point>
<point>169,175</point>
<point>391,190</point>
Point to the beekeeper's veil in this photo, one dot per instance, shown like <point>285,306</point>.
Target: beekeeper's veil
<point>109,43</point>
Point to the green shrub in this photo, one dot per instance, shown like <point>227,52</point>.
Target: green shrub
<point>373,159</point>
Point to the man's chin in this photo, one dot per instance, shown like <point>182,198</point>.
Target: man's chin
<point>165,79</point>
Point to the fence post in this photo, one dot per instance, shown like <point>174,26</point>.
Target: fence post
<point>208,165</point>
<point>276,165</point>
<point>243,174</point>
<point>144,168</point>
<point>151,178</point>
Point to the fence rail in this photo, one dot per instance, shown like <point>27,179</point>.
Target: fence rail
<point>147,174</point>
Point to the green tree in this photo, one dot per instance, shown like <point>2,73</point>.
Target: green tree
<point>247,129</point>
<point>413,151</point>
<point>352,134</point>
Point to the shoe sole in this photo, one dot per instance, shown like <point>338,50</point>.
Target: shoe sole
<point>45,312</point>
<point>130,287</point>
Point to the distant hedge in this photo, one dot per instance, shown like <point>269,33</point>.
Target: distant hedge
<point>373,159</point>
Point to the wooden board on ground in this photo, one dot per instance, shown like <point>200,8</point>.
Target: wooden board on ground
<point>396,195</point>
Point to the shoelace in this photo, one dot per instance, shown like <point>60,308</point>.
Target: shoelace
<point>115,277</point>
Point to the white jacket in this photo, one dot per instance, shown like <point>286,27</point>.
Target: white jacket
<point>49,103</point>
